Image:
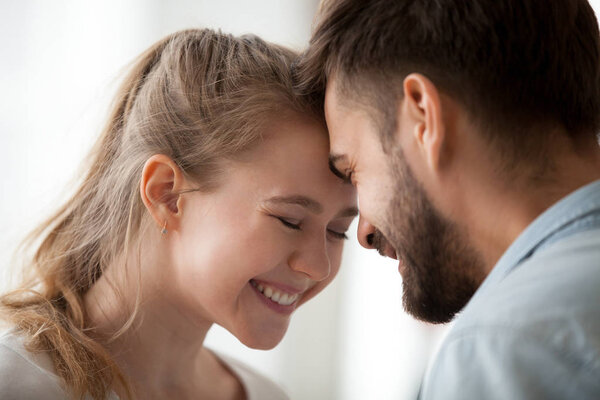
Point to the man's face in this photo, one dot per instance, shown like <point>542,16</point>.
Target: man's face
<point>439,267</point>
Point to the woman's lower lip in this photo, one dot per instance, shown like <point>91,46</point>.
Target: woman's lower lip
<point>281,309</point>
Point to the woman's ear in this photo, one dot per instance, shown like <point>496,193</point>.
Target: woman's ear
<point>161,183</point>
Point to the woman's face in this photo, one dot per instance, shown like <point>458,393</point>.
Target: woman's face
<point>267,240</point>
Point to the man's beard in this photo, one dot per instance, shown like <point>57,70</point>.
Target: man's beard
<point>442,270</point>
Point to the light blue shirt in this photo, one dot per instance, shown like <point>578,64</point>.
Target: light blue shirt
<point>532,329</point>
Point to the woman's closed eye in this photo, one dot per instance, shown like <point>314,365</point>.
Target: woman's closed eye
<point>337,235</point>
<point>289,223</point>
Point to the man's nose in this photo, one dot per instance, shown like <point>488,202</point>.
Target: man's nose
<point>365,233</point>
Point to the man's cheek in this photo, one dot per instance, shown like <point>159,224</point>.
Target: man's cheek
<point>371,198</point>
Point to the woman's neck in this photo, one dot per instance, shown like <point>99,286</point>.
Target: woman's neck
<point>161,353</point>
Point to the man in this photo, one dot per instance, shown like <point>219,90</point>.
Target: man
<point>470,131</point>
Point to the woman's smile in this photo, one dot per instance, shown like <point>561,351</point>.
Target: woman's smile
<point>275,297</point>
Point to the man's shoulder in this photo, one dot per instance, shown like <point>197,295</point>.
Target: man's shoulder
<point>23,375</point>
<point>560,281</point>
<point>534,332</point>
<point>510,363</point>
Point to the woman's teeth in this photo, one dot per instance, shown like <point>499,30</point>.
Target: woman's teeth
<point>285,299</point>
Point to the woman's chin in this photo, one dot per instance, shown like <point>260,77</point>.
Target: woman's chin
<point>262,340</point>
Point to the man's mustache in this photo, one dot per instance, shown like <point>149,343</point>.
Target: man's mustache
<point>378,241</point>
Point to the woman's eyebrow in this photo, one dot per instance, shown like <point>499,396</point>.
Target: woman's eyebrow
<point>303,201</point>
<point>348,212</point>
<point>310,204</point>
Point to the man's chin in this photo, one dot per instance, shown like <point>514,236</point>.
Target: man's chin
<point>424,314</point>
<point>425,307</point>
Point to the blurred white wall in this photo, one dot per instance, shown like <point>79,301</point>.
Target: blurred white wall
<point>59,67</point>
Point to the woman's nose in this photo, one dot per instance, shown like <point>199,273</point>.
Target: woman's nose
<point>365,233</point>
<point>312,260</point>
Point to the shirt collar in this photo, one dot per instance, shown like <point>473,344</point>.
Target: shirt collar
<point>574,206</point>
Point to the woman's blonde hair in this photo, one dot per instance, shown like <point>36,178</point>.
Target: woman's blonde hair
<point>197,96</point>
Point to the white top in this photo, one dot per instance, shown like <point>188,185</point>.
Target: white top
<point>28,376</point>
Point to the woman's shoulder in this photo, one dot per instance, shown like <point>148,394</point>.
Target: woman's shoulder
<point>257,386</point>
<point>25,375</point>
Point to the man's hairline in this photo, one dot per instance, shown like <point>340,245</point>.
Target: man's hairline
<point>349,99</point>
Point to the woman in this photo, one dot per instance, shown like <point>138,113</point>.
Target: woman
<point>208,200</point>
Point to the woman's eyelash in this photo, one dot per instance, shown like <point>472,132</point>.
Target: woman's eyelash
<point>297,227</point>
<point>338,235</point>
<point>288,224</point>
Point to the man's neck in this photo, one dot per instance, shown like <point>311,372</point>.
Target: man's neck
<point>500,212</point>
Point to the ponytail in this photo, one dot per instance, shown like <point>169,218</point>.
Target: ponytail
<point>48,310</point>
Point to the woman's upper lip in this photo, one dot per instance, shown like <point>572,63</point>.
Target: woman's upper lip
<point>281,286</point>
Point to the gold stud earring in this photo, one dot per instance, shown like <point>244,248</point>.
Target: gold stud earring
<point>164,229</point>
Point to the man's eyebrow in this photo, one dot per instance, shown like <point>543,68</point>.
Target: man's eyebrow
<point>333,159</point>
<point>303,201</point>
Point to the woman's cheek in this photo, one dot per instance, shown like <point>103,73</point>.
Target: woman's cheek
<point>265,254</point>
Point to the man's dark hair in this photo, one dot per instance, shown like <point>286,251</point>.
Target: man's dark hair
<point>521,68</point>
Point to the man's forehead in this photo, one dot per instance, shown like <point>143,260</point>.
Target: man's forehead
<point>331,101</point>
<point>343,100</point>
<point>334,112</point>
<point>338,119</point>
<point>333,96</point>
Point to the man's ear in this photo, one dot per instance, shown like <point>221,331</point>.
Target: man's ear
<point>160,185</point>
<point>423,108</point>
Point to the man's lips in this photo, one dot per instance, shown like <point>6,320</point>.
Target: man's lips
<point>387,251</point>
<point>390,252</point>
<point>382,245</point>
